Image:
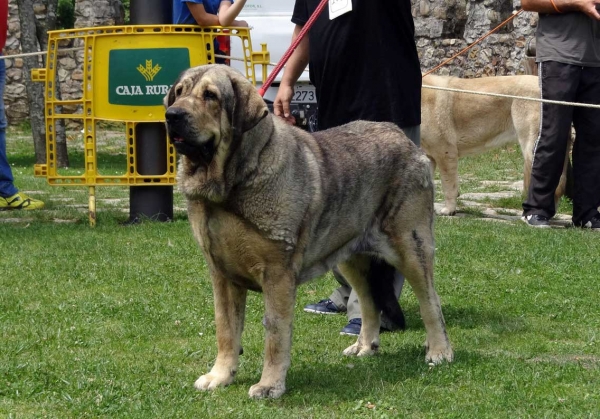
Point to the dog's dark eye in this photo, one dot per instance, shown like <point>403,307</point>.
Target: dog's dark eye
<point>178,90</point>
<point>208,95</point>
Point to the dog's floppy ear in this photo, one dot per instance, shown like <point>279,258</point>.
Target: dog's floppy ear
<point>169,99</point>
<point>249,108</point>
<point>171,96</point>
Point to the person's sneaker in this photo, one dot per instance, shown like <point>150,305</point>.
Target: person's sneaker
<point>323,307</point>
<point>20,201</point>
<point>352,328</point>
<point>593,224</point>
<point>536,220</point>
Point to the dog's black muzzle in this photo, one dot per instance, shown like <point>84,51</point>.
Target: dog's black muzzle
<point>184,139</point>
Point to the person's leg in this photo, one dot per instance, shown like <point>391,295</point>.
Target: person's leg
<point>558,82</point>
<point>337,301</point>
<point>10,197</point>
<point>7,187</point>
<point>414,134</point>
<point>341,295</point>
<point>586,150</point>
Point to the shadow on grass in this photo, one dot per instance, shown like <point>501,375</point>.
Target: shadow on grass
<point>467,317</point>
<point>471,318</point>
<point>352,379</point>
<point>22,160</point>
<point>106,161</point>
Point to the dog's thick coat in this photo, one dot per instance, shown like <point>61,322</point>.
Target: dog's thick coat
<point>273,206</point>
<point>454,125</point>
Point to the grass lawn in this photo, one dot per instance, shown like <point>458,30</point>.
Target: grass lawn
<point>117,321</point>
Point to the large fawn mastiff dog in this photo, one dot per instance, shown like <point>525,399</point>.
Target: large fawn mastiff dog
<point>273,206</point>
<point>454,125</point>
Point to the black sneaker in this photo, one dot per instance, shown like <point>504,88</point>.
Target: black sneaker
<point>352,328</point>
<point>593,224</point>
<point>536,220</point>
<point>323,307</point>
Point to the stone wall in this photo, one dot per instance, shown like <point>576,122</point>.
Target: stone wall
<point>88,13</point>
<point>443,27</point>
<point>70,75</point>
<point>15,96</point>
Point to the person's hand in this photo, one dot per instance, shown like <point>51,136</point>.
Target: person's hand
<point>240,23</point>
<point>281,106</point>
<point>589,7</point>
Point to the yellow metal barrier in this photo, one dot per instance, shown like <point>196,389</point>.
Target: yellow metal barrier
<point>127,71</point>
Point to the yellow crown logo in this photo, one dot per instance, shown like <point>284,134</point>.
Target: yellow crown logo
<point>149,72</point>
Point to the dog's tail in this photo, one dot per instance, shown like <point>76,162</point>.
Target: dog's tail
<point>381,281</point>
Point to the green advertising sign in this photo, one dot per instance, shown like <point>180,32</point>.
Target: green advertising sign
<point>142,77</point>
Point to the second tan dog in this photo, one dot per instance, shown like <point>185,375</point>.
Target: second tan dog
<point>454,125</point>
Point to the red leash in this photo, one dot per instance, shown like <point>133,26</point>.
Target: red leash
<point>292,47</point>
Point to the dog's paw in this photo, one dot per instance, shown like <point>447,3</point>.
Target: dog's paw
<point>259,391</point>
<point>211,381</point>
<point>439,355</point>
<point>448,211</point>
<point>360,350</point>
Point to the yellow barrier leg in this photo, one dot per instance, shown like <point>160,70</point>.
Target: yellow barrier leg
<point>92,206</point>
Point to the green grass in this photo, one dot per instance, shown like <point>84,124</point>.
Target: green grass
<point>117,321</point>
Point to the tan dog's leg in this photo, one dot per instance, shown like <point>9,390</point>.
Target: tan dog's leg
<point>526,173</point>
<point>561,190</point>
<point>432,165</point>
<point>415,248</point>
<point>355,271</point>
<point>448,165</point>
<point>279,292</point>
<point>230,306</point>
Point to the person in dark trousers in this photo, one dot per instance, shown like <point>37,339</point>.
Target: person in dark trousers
<point>10,197</point>
<point>364,65</point>
<point>568,56</point>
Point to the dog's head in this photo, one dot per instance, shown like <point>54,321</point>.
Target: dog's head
<point>208,110</point>
<point>208,105</point>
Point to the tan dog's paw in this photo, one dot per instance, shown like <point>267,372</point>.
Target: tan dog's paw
<point>211,381</point>
<point>439,355</point>
<point>448,211</point>
<point>360,350</point>
<point>259,391</point>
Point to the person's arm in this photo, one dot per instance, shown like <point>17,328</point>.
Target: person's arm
<point>228,12</point>
<point>561,6</point>
<point>291,73</point>
<point>202,17</point>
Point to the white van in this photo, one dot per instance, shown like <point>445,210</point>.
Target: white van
<point>270,22</point>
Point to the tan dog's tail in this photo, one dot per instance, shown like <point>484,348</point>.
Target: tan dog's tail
<point>381,281</point>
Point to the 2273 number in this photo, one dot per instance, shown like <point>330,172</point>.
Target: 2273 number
<point>304,96</point>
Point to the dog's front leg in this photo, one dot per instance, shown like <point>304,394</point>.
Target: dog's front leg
<point>230,306</point>
<point>279,290</point>
<point>448,164</point>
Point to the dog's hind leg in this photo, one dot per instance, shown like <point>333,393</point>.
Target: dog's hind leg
<point>413,242</point>
<point>356,270</point>
<point>448,165</point>
<point>279,293</point>
<point>230,306</point>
